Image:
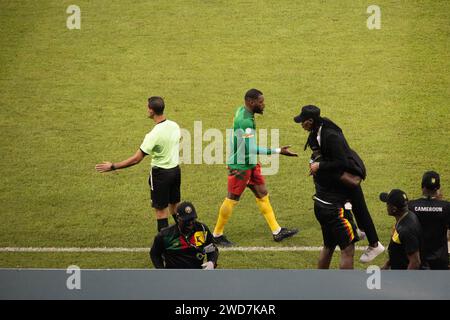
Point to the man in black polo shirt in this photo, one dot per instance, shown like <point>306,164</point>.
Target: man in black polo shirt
<point>186,244</point>
<point>434,216</point>
<point>406,240</point>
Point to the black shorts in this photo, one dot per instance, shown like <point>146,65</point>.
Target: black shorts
<point>435,264</point>
<point>164,186</point>
<point>337,225</point>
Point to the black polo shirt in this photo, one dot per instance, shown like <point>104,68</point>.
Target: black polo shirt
<point>434,217</point>
<point>406,239</point>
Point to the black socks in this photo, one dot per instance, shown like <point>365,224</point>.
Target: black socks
<point>162,223</point>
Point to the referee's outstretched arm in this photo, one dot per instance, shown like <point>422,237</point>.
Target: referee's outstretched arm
<point>131,161</point>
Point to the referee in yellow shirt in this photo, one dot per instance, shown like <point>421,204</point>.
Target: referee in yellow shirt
<point>163,144</point>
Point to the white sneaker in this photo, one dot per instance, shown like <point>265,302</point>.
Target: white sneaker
<point>371,253</point>
<point>361,234</point>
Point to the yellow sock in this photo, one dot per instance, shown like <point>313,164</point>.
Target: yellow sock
<point>225,211</point>
<point>267,211</point>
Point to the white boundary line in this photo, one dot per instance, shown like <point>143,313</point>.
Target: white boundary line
<point>112,250</point>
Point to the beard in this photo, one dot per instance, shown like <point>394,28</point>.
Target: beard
<point>259,110</point>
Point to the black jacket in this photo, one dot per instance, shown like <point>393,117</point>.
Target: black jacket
<point>334,149</point>
<point>173,250</point>
<point>335,157</point>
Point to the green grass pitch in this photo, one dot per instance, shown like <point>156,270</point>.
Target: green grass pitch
<point>73,98</point>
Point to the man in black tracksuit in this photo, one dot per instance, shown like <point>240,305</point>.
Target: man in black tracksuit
<point>331,194</point>
<point>332,158</point>
<point>434,216</point>
<point>186,244</point>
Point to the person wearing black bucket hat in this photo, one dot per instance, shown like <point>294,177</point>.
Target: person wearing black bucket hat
<point>186,244</point>
<point>338,228</point>
<point>308,112</point>
<point>338,171</point>
<point>406,240</point>
<point>434,216</point>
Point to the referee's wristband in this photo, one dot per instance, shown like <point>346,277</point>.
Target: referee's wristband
<point>112,166</point>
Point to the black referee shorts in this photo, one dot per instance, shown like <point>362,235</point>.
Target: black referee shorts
<point>337,225</point>
<point>164,186</point>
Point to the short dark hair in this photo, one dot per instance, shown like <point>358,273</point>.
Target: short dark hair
<point>156,104</point>
<point>253,94</point>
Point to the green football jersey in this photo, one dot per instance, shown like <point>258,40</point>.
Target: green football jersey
<point>243,142</point>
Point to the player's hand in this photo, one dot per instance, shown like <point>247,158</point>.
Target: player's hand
<point>103,167</point>
<point>313,168</point>
<point>285,151</point>
<point>208,265</point>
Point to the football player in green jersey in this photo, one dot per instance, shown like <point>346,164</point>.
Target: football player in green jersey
<point>244,170</point>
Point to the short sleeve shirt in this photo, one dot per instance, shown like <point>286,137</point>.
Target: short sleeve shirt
<point>163,144</point>
<point>406,239</point>
<point>434,217</point>
<point>243,135</point>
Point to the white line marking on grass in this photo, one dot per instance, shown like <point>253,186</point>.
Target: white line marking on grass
<point>111,250</point>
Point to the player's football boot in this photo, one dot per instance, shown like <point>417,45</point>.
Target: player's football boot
<point>284,233</point>
<point>223,241</point>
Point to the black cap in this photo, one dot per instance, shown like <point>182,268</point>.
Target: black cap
<point>431,180</point>
<point>308,112</point>
<point>186,211</point>
<point>396,197</point>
